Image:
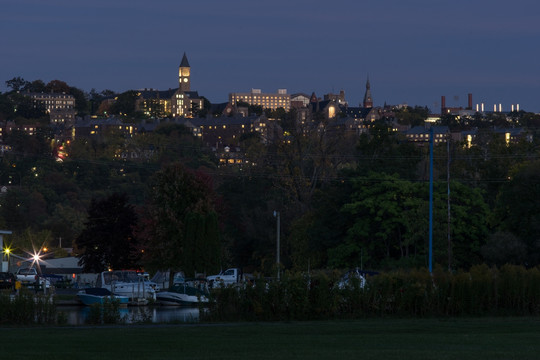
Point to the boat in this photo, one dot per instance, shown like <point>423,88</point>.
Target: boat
<point>183,294</point>
<point>91,296</point>
<point>128,283</point>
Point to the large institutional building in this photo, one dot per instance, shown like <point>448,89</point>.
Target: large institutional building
<point>181,102</point>
<point>267,100</point>
<point>60,107</point>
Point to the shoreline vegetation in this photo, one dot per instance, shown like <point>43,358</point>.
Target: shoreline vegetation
<point>483,291</point>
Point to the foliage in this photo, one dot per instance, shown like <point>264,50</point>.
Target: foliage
<point>170,143</point>
<point>307,174</point>
<point>106,313</point>
<point>391,223</point>
<point>180,228</point>
<point>488,162</point>
<point>517,209</point>
<point>22,109</point>
<point>323,227</point>
<point>382,150</point>
<point>249,227</point>
<point>412,116</point>
<point>310,158</point>
<point>26,308</point>
<point>107,241</point>
<point>125,104</point>
<point>17,83</point>
<point>504,248</point>
<point>510,290</point>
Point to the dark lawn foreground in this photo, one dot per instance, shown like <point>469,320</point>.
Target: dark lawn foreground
<point>479,338</point>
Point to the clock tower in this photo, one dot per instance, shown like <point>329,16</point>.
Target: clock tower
<point>184,75</point>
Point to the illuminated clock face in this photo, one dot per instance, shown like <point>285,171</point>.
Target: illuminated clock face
<point>185,79</point>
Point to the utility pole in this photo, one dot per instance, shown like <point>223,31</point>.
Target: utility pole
<point>431,199</point>
<point>448,202</point>
<point>276,215</point>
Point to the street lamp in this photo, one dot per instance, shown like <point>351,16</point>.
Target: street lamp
<point>276,215</point>
<point>7,252</point>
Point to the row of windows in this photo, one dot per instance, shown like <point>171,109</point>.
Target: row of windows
<point>215,127</point>
<point>281,97</point>
<point>53,97</point>
<point>425,135</point>
<point>230,161</point>
<point>48,102</point>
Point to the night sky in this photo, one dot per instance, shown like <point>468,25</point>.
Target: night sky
<point>413,51</point>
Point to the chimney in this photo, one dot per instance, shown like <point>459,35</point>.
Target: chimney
<point>470,102</point>
<point>443,105</point>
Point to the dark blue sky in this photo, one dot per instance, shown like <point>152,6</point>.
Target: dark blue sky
<point>414,51</point>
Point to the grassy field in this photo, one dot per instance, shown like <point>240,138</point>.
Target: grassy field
<point>489,338</point>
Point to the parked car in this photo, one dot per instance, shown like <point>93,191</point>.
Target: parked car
<point>7,280</point>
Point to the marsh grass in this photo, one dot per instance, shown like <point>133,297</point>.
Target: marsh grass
<point>106,313</point>
<point>27,308</point>
<point>483,291</point>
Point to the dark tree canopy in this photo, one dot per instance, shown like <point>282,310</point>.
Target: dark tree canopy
<point>517,209</point>
<point>107,241</point>
<point>180,230</point>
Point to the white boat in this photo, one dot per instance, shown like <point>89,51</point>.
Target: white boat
<point>185,294</point>
<point>128,283</point>
<point>90,296</point>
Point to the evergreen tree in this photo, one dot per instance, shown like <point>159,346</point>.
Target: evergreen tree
<point>107,240</point>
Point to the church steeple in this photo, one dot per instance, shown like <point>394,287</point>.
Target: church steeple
<point>368,100</point>
<point>184,75</point>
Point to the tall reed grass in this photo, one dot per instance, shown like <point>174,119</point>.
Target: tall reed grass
<point>482,291</point>
<point>27,308</point>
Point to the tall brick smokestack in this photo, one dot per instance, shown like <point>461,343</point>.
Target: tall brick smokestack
<point>469,106</point>
<point>443,105</point>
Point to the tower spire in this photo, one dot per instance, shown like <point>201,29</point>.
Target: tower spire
<point>184,62</point>
<point>184,74</point>
<point>368,100</point>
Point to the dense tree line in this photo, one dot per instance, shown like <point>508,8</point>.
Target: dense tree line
<point>345,200</point>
